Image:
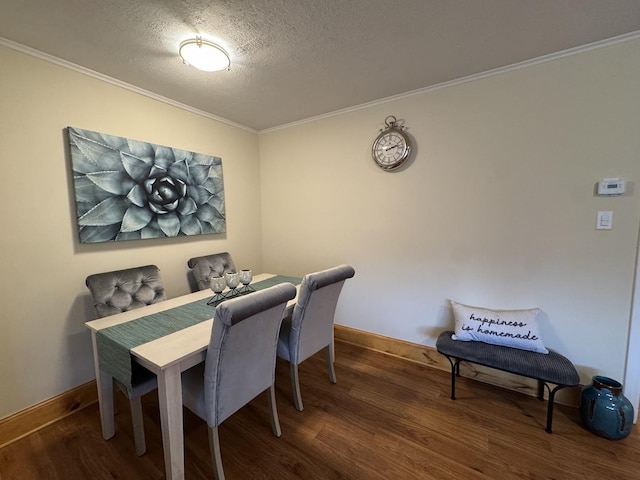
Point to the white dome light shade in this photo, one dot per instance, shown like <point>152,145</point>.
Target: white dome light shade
<point>204,55</point>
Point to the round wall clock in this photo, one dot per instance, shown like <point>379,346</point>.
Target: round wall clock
<point>392,147</point>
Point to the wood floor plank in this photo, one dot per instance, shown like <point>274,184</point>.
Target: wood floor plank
<point>386,418</point>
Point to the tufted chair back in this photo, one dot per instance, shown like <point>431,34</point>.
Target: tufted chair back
<point>122,290</point>
<point>205,267</point>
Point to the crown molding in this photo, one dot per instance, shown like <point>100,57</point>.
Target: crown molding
<point>112,81</point>
<point>470,78</point>
<point>451,83</point>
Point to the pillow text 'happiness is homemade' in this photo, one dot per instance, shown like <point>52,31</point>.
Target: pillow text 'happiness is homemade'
<point>510,328</point>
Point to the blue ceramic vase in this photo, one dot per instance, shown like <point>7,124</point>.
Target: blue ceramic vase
<point>605,410</point>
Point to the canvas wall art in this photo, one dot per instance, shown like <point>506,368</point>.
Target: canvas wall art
<point>128,190</point>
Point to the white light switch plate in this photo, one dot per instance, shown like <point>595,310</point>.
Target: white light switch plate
<point>604,221</point>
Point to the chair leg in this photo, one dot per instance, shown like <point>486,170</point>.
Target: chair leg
<point>216,457</point>
<point>330,358</point>
<point>295,387</point>
<point>275,421</point>
<point>138,425</point>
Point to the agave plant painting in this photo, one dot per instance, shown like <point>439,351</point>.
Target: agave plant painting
<point>127,189</point>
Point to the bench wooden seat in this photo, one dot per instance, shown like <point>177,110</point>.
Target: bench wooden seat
<point>550,368</point>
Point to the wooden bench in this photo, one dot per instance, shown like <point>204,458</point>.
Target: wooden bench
<point>549,368</point>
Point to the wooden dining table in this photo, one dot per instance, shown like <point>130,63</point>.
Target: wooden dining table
<point>167,356</point>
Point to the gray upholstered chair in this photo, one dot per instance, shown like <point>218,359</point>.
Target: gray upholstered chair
<point>205,267</point>
<point>310,328</point>
<point>119,291</point>
<point>240,362</point>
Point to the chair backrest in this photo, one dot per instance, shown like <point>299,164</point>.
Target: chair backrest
<point>312,321</point>
<point>122,290</point>
<point>241,356</point>
<point>205,267</point>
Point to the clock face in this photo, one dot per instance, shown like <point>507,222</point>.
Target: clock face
<point>391,148</point>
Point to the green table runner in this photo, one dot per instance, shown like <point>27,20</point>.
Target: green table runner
<point>115,343</point>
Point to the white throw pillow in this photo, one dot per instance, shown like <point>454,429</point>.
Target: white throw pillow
<point>511,328</point>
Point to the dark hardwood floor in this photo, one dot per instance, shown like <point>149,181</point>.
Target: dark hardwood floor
<point>386,418</point>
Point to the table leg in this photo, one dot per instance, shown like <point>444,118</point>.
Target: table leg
<point>104,383</point>
<point>170,399</point>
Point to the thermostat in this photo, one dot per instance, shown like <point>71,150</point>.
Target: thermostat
<point>611,186</point>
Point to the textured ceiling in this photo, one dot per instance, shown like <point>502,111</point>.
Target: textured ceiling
<point>296,59</point>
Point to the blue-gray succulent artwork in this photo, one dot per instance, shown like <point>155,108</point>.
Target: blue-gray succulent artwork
<point>127,189</point>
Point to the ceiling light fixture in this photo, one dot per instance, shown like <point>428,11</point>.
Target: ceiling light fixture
<point>204,55</point>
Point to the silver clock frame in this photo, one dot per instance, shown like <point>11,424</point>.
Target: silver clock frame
<point>391,137</point>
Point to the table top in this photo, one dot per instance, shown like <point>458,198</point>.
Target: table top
<point>170,349</point>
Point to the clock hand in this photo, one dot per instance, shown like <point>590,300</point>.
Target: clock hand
<point>390,147</point>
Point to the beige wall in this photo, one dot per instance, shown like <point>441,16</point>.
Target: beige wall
<point>497,209</point>
<point>44,347</point>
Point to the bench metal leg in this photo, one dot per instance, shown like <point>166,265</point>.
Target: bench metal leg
<point>541,386</point>
<point>552,396</point>
<point>455,372</point>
